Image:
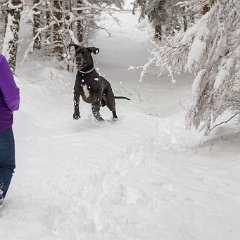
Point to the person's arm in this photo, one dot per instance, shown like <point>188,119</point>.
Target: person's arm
<point>8,86</point>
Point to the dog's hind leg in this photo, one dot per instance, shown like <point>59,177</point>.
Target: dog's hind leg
<point>96,110</point>
<point>110,102</point>
<point>114,114</point>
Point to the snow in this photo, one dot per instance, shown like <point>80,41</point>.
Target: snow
<point>223,73</point>
<point>198,49</point>
<point>196,86</point>
<point>142,177</point>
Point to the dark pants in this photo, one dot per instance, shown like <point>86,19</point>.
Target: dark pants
<point>7,160</point>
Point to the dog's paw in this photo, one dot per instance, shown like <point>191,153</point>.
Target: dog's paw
<point>76,116</point>
<point>99,118</point>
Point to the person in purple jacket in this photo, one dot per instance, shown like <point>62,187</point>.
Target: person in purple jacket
<point>9,102</point>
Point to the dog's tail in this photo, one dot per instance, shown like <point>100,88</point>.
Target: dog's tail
<point>120,97</point>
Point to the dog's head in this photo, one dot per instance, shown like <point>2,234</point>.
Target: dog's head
<point>83,56</point>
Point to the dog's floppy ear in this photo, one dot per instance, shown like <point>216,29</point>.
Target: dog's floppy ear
<point>73,45</point>
<point>93,50</point>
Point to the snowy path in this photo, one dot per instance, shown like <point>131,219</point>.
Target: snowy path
<point>143,177</point>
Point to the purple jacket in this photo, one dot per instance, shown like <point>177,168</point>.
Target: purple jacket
<point>9,95</point>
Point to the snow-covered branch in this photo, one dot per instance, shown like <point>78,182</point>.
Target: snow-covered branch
<point>193,6</point>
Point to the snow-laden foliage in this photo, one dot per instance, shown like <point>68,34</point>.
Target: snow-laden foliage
<point>211,51</point>
<point>166,16</point>
<point>193,6</point>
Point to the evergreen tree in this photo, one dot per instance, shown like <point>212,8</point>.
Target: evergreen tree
<point>165,15</point>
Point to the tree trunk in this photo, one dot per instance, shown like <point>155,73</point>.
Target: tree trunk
<point>2,24</point>
<point>68,8</point>
<point>185,23</point>
<point>79,23</point>
<point>205,9</point>
<point>47,35</point>
<point>58,48</point>
<point>36,24</point>
<point>10,45</point>
<point>69,31</point>
<point>47,23</point>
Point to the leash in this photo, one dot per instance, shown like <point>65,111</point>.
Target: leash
<point>87,71</point>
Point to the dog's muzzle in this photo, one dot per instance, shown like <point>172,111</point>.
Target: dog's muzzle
<point>80,65</point>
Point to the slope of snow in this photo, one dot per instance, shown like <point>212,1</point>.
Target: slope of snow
<point>142,177</point>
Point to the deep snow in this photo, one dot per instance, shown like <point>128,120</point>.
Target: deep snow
<point>142,177</point>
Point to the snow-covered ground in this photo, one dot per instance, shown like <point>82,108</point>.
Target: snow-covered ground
<point>143,177</point>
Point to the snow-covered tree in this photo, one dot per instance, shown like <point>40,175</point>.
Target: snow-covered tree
<point>79,22</point>
<point>211,51</point>
<point>165,15</point>
<point>58,47</point>
<point>36,23</point>
<point>2,25</point>
<point>3,21</point>
<point>10,45</point>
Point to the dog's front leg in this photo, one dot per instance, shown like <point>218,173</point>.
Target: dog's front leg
<point>96,108</point>
<point>76,114</point>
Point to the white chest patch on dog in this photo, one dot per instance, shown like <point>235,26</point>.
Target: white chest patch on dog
<point>85,90</point>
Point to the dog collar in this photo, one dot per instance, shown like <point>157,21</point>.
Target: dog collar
<point>87,71</point>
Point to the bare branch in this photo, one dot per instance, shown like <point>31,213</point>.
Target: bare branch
<point>221,123</point>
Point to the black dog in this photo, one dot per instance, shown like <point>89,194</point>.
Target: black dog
<point>90,86</point>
